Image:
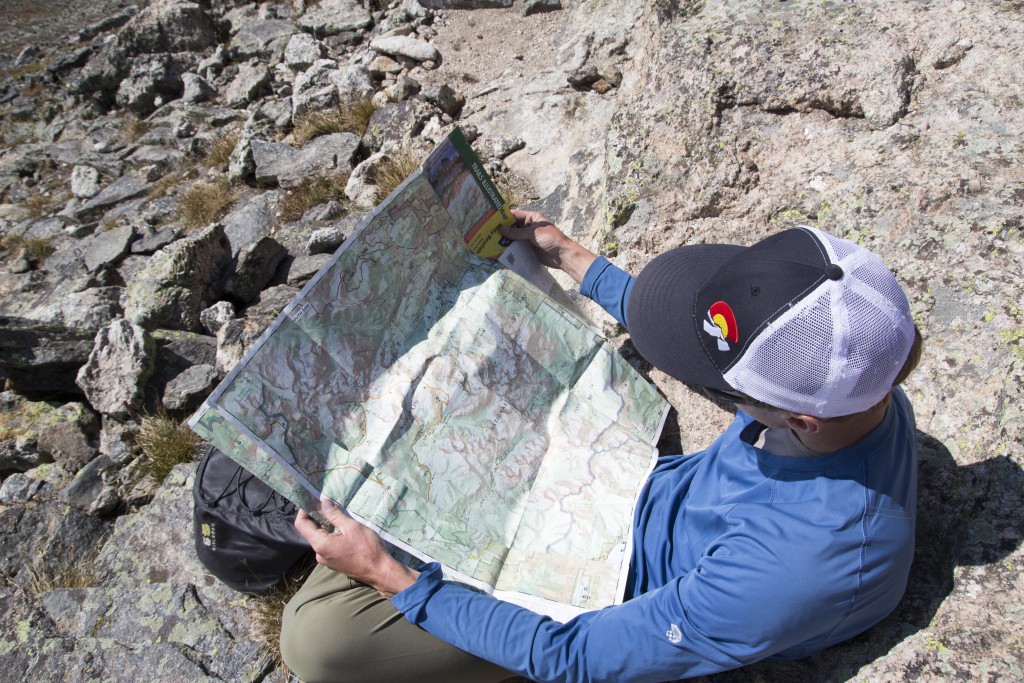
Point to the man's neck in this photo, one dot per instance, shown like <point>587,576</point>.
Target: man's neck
<point>836,435</point>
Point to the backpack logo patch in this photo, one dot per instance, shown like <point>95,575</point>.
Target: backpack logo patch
<point>209,537</point>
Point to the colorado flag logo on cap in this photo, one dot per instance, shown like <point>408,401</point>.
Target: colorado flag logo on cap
<point>721,324</point>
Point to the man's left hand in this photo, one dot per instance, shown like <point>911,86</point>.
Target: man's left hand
<point>355,551</point>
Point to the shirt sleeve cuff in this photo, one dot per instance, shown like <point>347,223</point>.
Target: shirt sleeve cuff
<point>412,601</point>
<point>592,275</point>
<point>609,286</point>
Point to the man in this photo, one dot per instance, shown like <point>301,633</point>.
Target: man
<point>792,532</point>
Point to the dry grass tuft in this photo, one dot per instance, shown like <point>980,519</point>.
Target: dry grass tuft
<point>39,205</point>
<point>218,151</point>
<point>165,443</point>
<point>352,117</point>
<point>205,202</point>
<point>312,192</point>
<point>266,617</point>
<point>24,70</point>
<point>34,249</point>
<point>112,224</point>
<point>391,172</point>
<point>134,129</point>
<point>168,182</point>
<point>37,249</point>
<point>32,90</point>
<point>65,572</point>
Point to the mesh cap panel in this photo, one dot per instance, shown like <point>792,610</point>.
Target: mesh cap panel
<point>837,350</point>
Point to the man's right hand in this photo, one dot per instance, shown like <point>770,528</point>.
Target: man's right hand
<point>554,249</point>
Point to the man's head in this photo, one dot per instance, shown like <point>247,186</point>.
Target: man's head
<point>801,321</point>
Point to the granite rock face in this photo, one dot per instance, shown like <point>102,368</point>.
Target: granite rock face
<point>179,282</point>
<point>635,126</point>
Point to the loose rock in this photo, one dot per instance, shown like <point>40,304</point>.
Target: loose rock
<point>187,390</point>
<point>281,164</point>
<point>404,46</point>
<point>179,281</point>
<point>302,50</point>
<point>196,89</point>
<point>121,361</point>
<point>85,182</point>
<point>255,266</point>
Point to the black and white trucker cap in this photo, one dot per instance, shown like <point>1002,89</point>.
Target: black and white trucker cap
<point>801,320</point>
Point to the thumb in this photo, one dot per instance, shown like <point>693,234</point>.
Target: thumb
<point>309,529</point>
<point>515,231</point>
<point>333,514</point>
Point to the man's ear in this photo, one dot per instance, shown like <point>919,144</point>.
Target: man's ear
<point>808,424</point>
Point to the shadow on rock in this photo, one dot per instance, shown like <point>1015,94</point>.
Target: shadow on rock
<point>967,515</point>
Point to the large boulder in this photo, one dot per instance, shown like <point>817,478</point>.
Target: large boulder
<point>85,311</point>
<point>302,50</point>
<point>406,46</point>
<point>115,375</point>
<point>66,435</point>
<point>152,612</point>
<point>107,247</point>
<point>179,282</point>
<point>278,163</point>
<point>176,352</point>
<point>196,89</point>
<point>335,16</point>
<point>155,545</point>
<point>313,88</point>
<point>45,538</point>
<point>394,126</point>
<point>353,83</point>
<point>92,490</point>
<point>265,40</point>
<point>20,421</point>
<point>252,78</point>
<point>169,26</point>
<point>251,220</point>
<point>127,187</point>
<point>23,629</point>
<point>171,618</point>
<point>324,85</point>
<point>151,81</point>
<point>42,357</point>
<point>164,26</point>
<point>188,389</point>
<point>256,265</point>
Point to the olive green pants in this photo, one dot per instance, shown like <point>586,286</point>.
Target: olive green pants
<point>336,629</point>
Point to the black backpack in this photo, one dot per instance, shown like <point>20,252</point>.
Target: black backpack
<point>243,529</point>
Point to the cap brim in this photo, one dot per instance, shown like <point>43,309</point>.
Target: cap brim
<point>663,322</point>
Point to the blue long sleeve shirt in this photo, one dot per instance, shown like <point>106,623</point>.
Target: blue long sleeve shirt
<point>739,555</point>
